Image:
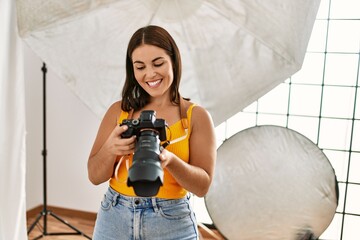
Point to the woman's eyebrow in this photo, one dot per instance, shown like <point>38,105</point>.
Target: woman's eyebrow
<point>154,60</point>
<point>137,61</point>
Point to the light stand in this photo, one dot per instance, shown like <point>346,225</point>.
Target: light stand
<point>45,212</point>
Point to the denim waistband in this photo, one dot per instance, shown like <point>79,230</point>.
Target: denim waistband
<point>142,202</point>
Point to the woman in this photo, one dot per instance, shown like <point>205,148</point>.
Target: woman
<point>153,72</point>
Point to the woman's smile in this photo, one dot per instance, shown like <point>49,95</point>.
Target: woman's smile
<point>155,83</point>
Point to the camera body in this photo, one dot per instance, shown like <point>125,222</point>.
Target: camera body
<point>147,120</point>
<point>146,174</point>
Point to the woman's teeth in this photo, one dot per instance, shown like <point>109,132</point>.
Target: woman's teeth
<point>154,83</point>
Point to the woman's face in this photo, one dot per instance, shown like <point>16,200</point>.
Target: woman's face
<point>153,69</point>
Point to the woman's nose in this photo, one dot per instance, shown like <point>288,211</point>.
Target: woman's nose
<point>150,72</point>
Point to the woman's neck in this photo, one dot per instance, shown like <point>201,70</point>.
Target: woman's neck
<point>160,102</point>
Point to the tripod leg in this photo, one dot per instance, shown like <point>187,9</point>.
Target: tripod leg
<point>69,225</point>
<point>35,222</point>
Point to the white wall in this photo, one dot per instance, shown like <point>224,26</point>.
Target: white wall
<point>71,129</point>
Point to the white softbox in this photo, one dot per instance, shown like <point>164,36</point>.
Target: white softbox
<point>233,51</point>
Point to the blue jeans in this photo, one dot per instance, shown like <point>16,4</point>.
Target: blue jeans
<point>137,218</point>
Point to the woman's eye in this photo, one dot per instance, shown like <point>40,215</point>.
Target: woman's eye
<point>140,67</point>
<point>158,64</point>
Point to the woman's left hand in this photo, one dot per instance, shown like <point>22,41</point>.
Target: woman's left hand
<point>196,174</point>
<point>165,157</point>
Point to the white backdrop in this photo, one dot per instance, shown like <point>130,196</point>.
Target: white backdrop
<point>12,128</point>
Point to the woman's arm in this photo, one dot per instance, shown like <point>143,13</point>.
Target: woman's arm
<point>196,176</point>
<point>108,146</point>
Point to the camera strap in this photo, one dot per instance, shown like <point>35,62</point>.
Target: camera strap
<point>183,114</point>
<point>184,122</point>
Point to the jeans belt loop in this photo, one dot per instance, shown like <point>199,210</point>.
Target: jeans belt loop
<point>154,204</point>
<point>114,200</point>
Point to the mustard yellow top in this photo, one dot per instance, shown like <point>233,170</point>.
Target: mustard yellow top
<point>170,189</point>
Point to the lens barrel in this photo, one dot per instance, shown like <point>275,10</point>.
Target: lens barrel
<point>146,174</point>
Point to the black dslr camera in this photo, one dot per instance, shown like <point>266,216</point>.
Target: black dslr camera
<point>146,174</point>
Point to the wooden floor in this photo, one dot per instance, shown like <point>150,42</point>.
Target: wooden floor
<point>82,221</point>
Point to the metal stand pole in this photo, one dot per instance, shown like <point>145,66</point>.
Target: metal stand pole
<point>45,212</point>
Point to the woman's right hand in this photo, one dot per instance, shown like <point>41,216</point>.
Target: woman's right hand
<point>118,146</point>
<point>108,146</point>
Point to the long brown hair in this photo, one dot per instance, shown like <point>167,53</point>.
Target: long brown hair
<point>133,95</point>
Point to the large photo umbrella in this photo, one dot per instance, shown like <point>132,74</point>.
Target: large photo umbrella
<point>233,52</point>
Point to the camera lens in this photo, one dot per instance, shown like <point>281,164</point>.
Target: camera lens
<point>146,174</point>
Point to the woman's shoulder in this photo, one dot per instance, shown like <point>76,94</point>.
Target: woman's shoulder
<point>114,110</point>
<point>187,103</point>
<point>115,107</point>
<point>199,113</point>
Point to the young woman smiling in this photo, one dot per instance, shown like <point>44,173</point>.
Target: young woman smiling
<point>153,74</point>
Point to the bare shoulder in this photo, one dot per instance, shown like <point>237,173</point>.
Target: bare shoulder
<point>115,107</point>
<point>197,108</point>
<point>201,116</point>
<point>113,111</point>
<point>202,131</point>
